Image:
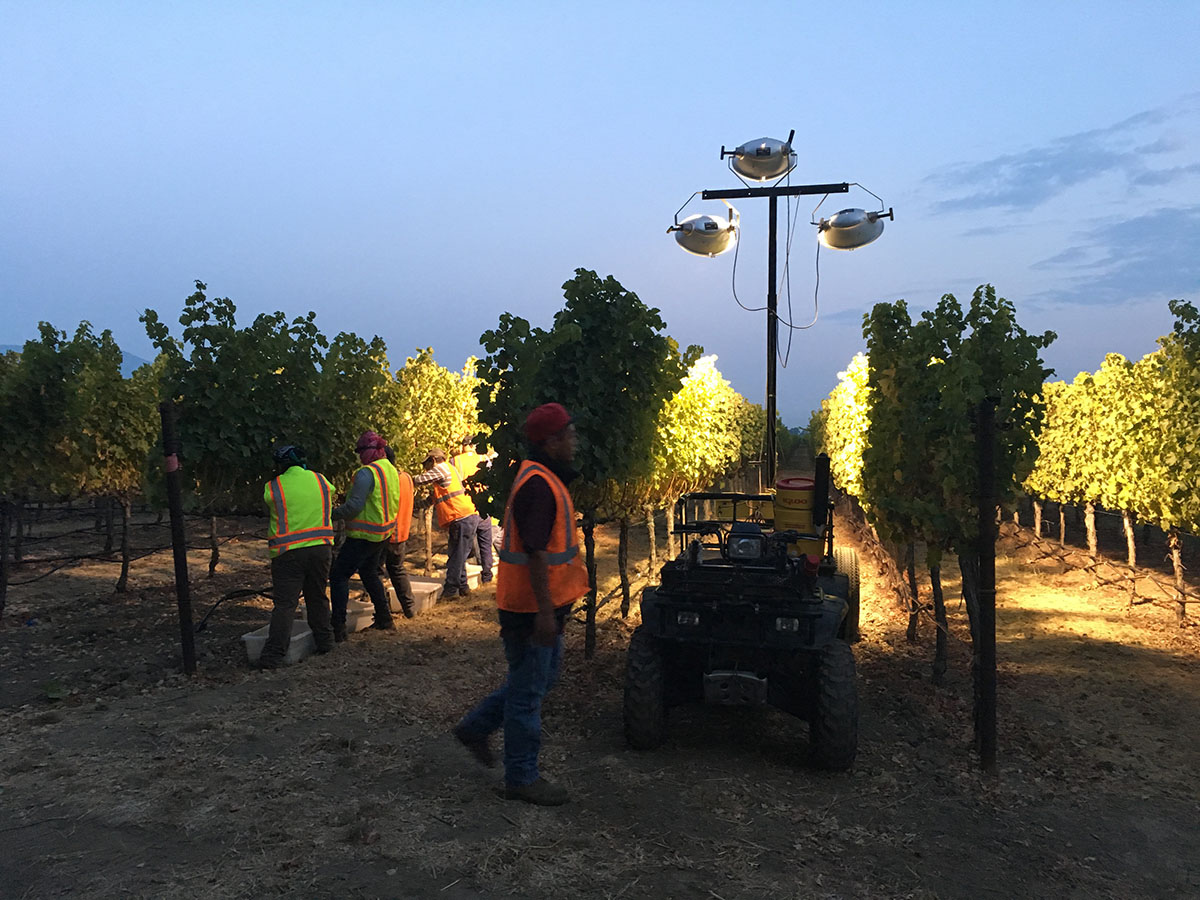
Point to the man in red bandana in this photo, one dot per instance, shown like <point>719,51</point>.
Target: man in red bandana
<point>370,514</point>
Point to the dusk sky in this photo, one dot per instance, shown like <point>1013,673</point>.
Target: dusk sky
<point>415,170</point>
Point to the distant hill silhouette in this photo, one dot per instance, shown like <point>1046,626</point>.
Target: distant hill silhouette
<point>129,362</point>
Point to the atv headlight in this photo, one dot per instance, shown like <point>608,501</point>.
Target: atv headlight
<point>746,546</point>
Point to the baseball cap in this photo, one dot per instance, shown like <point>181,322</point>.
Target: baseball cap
<point>545,421</point>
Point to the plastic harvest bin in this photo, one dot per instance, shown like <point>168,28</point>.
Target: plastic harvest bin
<point>301,645</point>
<point>426,592</point>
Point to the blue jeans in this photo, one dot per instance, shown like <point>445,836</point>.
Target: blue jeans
<point>517,704</point>
<point>481,547</point>
<point>460,535</point>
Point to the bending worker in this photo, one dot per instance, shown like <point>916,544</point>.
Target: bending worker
<point>541,575</point>
<point>456,513</point>
<point>299,541</point>
<point>370,513</point>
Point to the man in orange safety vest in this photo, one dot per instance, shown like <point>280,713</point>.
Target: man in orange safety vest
<point>541,574</point>
<point>455,511</point>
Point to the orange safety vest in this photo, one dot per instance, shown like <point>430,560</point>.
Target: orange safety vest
<point>404,516</point>
<point>451,503</point>
<point>299,504</point>
<point>567,574</point>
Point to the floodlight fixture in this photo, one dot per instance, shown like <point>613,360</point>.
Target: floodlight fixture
<point>849,229</point>
<point>764,159</point>
<point>706,235</point>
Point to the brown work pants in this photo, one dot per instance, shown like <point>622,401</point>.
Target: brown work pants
<point>306,570</point>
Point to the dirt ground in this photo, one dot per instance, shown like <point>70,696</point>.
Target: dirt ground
<point>337,777</point>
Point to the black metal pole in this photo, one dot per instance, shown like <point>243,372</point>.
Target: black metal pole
<point>183,596</point>
<point>773,193</point>
<point>985,715</point>
<point>772,342</point>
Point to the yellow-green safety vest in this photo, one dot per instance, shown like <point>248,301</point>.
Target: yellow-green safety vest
<point>377,520</point>
<point>299,502</point>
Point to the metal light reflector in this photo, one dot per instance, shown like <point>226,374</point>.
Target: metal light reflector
<point>850,229</point>
<point>706,235</point>
<point>763,159</point>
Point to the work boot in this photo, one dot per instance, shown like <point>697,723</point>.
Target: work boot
<point>266,663</point>
<point>464,591</point>
<point>384,624</point>
<point>339,632</point>
<point>478,747</point>
<point>540,793</point>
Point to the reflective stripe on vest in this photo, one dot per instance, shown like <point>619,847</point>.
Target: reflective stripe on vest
<point>566,574</point>
<point>452,503</point>
<point>303,524</point>
<point>379,512</point>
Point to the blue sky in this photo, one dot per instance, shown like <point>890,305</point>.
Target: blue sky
<point>415,170</point>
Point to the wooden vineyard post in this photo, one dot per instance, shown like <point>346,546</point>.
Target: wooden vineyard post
<point>171,448</point>
<point>213,547</point>
<point>427,527</point>
<point>1130,542</point>
<point>653,561</point>
<point>5,525</point>
<point>1175,546</point>
<point>1089,521</point>
<point>669,517</point>
<point>985,712</point>
<point>623,564</point>
<point>589,544</point>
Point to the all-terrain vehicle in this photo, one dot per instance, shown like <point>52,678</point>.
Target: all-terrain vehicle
<point>744,616</point>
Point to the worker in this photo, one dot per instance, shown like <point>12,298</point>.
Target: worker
<point>370,514</point>
<point>541,574</point>
<point>468,462</point>
<point>456,513</point>
<point>299,542</point>
<point>393,555</point>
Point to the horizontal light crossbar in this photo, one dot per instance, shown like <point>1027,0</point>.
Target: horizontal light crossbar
<point>788,190</point>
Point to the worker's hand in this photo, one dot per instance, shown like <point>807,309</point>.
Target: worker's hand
<point>545,628</point>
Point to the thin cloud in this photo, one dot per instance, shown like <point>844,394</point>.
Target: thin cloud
<point>1022,181</point>
<point>1153,255</point>
<point>1166,176</point>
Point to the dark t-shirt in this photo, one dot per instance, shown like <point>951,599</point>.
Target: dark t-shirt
<point>533,514</point>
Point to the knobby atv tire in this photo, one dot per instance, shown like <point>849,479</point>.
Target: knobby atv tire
<point>645,692</point>
<point>847,563</point>
<point>834,726</point>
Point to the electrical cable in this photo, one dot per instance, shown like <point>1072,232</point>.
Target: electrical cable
<point>733,280</point>
<point>240,592</point>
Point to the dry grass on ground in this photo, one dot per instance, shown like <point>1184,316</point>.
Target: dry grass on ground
<point>337,777</point>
